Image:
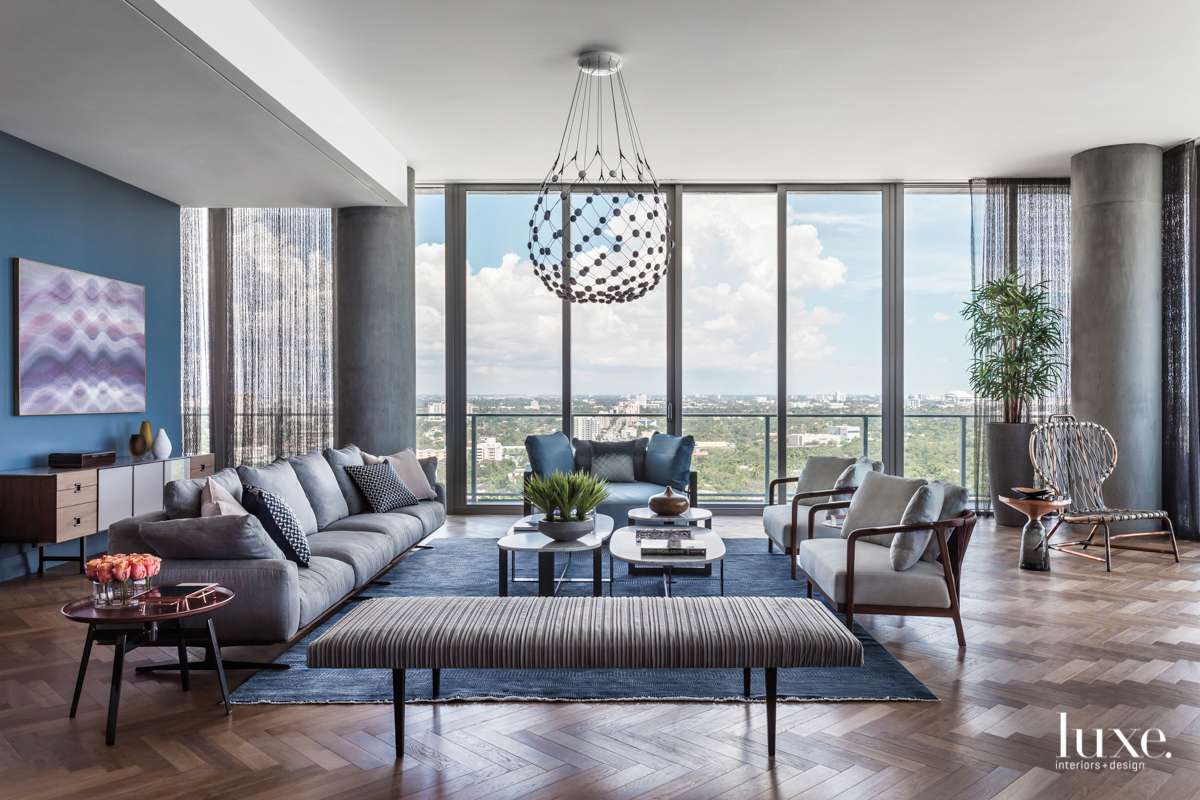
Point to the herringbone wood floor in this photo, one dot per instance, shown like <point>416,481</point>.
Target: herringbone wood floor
<point>1112,650</point>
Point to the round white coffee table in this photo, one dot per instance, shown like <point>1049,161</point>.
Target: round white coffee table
<point>546,549</point>
<point>644,516</point>
<point>623,546</point>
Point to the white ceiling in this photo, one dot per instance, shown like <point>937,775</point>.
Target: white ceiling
<point>821,90</point>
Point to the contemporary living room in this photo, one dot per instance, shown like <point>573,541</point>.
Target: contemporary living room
<point>553,400</point>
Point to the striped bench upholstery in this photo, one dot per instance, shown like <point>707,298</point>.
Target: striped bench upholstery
<point>586,633</point>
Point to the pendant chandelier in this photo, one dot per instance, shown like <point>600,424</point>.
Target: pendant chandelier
<point>600,231</point>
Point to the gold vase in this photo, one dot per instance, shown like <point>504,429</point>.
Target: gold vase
<point>148,434</point>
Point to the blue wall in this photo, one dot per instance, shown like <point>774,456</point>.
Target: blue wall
<point>60,212</point>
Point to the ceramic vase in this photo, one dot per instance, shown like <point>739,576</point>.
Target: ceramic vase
<point>162,444</point>
<point>147,434</point>
<point>668,503</point>
<point>137,445</point>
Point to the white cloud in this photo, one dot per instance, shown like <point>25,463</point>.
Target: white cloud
<point>938,316</point>
<point>910,321</point>
<point>806,268</point>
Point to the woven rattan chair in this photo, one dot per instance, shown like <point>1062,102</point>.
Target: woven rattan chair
<point>1073,458</point>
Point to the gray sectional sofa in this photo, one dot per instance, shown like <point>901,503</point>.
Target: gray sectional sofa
<point>276,597</point>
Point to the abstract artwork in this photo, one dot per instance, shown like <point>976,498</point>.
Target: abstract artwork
<point>81,342</point>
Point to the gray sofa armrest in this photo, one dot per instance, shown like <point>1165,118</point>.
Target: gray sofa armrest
<point>123,536</point>
<point>266,607</point>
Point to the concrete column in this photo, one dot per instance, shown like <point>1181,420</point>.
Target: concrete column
<point>1116,311</point>
<point>376,327</point>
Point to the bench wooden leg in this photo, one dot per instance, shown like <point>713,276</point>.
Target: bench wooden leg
<point>398,709</point>
<point>770,679</point>
<point>746,682</point>
<point>437,682</point>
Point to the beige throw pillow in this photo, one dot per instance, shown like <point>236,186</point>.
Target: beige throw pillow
<point>216,501</point>
<point>409,469</point>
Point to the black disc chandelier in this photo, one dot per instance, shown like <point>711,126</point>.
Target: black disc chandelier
<point>600,231</point>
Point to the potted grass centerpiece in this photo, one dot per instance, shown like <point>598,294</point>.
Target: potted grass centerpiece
<point>1016,338</point>
<point>566,500</point>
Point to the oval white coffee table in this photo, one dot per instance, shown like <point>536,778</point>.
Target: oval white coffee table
<point>644,516</point>
<point>623,546</point>
<point>546,549</point>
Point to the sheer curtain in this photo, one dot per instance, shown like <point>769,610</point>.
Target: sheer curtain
<point>265,316</point>
<point>1022,225</point>
<point>195,344</point>
<point>1181,400</point>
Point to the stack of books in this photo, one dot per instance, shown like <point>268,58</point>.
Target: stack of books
<point>666,542</point>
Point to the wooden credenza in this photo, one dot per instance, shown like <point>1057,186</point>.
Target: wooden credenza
<point>43,505</point>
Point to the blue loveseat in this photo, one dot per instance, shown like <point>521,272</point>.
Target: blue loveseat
<point>658,462</point>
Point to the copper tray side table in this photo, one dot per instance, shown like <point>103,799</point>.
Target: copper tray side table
<point>1035,547</point>
<point>145,626</point>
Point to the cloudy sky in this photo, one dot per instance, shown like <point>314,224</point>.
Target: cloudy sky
<point>514,327</point>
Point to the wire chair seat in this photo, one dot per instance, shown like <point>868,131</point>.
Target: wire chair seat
<point>1073,459</point>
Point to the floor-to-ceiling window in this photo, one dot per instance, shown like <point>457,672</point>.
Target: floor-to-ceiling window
<point>730,365</point>
<point>429,219</point>
<point>514,348</point>
<point>834,325</point>
<point>938,404</point>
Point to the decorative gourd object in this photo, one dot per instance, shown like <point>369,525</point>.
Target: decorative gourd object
<point>162,444</point>
<point>668,503</point>
<point>137,445</point>
<point>147,433</point>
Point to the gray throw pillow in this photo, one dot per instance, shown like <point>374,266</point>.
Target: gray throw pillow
<point>348,456</point>
<point>613,467</point>
<point>821,472</point>
<point>430,467</point>
<point>321,488</point>
<point>879,502</point>
<point>181,499</point>
<point>852,477</point>
<point>907,547</point>
<point>222,538</point>
<point>955,502</point>
<point>280,479</point>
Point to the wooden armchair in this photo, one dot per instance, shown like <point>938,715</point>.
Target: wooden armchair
<point>856,576</point>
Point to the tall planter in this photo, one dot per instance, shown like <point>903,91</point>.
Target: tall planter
<point>1009,465</point>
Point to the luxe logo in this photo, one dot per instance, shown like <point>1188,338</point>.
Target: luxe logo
<point>1090,745</point>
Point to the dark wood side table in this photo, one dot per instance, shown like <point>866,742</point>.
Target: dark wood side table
<point>145,626</point>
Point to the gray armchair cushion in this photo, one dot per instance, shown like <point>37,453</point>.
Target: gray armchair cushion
<point>821,472</point>
<point>954,502</point>
<point>908,546</point>
<point>321,488</point>
<point>875,582</point>
<point>280,479</point>
<point>880,501</point>
<point>325,582</point>
<point>348,456</point>
<point>220,538</point>
<point>777,523</point>
<point>181,499</point>
<point>266,605</point>
<point>366,553</point>
<point>404,530</point>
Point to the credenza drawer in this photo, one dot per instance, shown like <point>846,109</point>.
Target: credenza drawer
<point>203,466</point>
<point>76,521</point>
<point>76,496</point>
<point>72,480</point>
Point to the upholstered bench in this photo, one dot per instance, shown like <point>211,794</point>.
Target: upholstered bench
<point>438,633</point>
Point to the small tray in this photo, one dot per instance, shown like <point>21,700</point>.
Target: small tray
<point>1027,493</point>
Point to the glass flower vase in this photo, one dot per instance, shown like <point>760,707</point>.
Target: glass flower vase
<point>119,594</point>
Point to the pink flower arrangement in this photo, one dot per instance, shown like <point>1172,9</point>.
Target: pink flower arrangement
<point>120,567</point>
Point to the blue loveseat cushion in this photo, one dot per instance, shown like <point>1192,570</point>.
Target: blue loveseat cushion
<point>550,453</point>
<point>669,460</point>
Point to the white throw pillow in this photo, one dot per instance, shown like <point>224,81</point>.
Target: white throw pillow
<point>409,469</point>
<point>216,501</point>
<point>925,506</point>
<point>952,506</point>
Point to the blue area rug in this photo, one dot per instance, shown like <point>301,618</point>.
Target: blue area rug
<point>468,567</point>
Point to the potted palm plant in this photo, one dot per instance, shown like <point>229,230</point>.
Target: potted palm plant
<point>566,501</point>
<point>1016,339</point>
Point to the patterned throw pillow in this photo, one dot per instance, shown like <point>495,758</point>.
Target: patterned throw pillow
<point>613,467</point>
<point>279,522</point>
<point>382,486</point>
